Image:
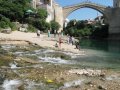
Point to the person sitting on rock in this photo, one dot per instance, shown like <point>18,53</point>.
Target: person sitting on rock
<point>56,45</point>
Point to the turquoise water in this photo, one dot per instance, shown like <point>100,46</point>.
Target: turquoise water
<point>100,54</point>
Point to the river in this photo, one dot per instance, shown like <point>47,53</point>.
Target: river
<point>31,67</point>
<point>100,53</point>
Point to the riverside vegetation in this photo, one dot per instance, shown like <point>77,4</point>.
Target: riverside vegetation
<point>12,11</point>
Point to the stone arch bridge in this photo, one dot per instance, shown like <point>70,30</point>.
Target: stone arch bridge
<point>69,9</point>
<point>112,15</point>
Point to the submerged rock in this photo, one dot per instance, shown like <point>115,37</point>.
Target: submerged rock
<point>2,78</point>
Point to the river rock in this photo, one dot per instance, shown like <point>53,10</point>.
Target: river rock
<point>7,30</point>
<point>102,75</point>
<point>101,87</point>
<point>2,78</point>
<point>88,72</point>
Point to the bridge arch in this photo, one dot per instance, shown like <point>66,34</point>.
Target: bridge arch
<point>69,9</point>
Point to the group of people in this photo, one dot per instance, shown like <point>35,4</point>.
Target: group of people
<point>55,33</point>
<point>71,39</point>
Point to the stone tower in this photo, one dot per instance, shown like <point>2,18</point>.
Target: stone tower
<point>33,3</point>
<point>45,4</point>
<point>53,9</point>
<point>116,3</point>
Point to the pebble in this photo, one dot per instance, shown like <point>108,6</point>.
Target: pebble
<point>101,87</point>
<point>102,79</point>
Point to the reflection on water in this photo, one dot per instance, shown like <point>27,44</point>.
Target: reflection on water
<point>106,45</point>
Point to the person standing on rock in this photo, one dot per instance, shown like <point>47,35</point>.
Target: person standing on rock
<point>38,33</point>
<point>55,32</point>
<point>73,40</point>
<point>48,33</point>
<point>60,41</point>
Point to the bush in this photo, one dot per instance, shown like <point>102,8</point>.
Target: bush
<point>54,25</point>
<point>30,20</point>
<point>41,25</point>
<point>13,26</point>
<point>31,28</point>
<point>5,23</point>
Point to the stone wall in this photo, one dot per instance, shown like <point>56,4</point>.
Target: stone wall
<point>58,13</point>
<point>116,3</point>
<point>114,23</point>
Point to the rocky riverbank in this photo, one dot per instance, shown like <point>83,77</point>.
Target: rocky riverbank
<point>27,66</point>
<point>43,40</point>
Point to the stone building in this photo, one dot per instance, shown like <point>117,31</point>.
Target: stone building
<point>53,9</point>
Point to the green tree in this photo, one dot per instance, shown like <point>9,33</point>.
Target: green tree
<point>4,22</point>
<point>41,25</point>
<point>41,13</point>
<point>14,9</point>
<point>80,24</point>
<point>72,23</point>
<point>54,25</point>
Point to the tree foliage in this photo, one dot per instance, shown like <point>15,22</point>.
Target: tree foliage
<point>83,29</point>
<point>5,23</point>
<point>14,9</point>
<point>41,13</point>
<point>41,25</point>
<point>54,25</point>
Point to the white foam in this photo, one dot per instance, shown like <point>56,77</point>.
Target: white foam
<point>11,84</point>
<point>13,66</point>
<point>54,60</point>
<point>72,83</point>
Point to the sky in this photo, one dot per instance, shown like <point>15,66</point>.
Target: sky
<point>84,13</point>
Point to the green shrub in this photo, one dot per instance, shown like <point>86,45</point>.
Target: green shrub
<point>41,25</point>
<point>13,26</point>
<point>31,28</point>
<point>54,25</point>
<point>3,24</point>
